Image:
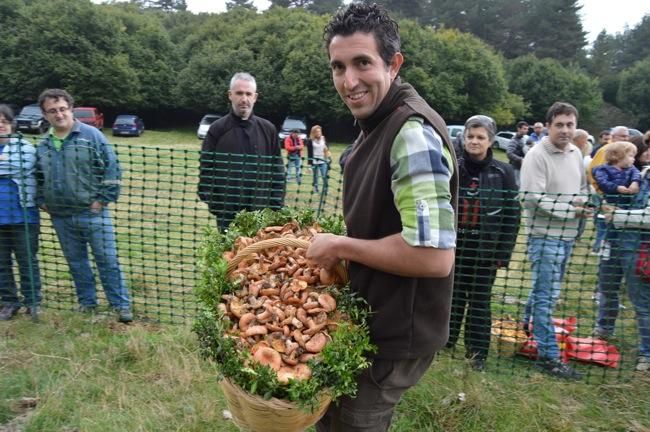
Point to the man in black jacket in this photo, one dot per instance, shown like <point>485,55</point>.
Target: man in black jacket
<point>241,164</point>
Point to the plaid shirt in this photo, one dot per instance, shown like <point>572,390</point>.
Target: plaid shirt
<point>422,168</point>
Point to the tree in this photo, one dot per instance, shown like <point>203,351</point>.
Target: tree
<point>323,7</point>
<point>164,5</point>
<point>542,82</point>
<point>634,92</point>
<point>457,74</point>
<point>246,4</point>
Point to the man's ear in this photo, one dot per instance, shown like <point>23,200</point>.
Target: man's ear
<point>395,65</point>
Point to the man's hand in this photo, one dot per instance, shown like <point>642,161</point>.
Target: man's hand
<point>608,211</point>
<point>96,207</point>
<point>583,211</point>
<point>322,250</point>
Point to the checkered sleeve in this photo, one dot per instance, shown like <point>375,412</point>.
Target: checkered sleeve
<point>421,168</point>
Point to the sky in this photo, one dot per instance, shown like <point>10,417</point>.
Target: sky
<point>597,14</point>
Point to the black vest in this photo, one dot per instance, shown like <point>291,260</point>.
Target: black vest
<point>410,315</point>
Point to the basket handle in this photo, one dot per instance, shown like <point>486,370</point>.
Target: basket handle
<point>261,245</point>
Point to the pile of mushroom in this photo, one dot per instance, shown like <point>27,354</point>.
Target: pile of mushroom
<point>284,312</point>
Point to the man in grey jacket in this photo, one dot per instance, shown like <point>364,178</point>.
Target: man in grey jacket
<point>78,176</point>
<point>517,149</point>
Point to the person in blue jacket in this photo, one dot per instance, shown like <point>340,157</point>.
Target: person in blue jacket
<point>78,177</point>
<point>19,221</point>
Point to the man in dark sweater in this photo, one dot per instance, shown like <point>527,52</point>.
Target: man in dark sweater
<point>241,164</point>
<point>399,200</point>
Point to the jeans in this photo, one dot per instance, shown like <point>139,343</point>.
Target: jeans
<point>549,257</point>
<point>379,389</point>
<point>320,170</point>
<point>294,162</point>
<point>75,233</point>
<point>22,240</point>
<point>622,264</point>
<point>601,232</point>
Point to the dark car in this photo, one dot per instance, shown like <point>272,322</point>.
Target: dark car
<point>291,123</point>
<point>205,124</point>
<point>90,116</point>
<point>31,119</point>
<point>128,124</point>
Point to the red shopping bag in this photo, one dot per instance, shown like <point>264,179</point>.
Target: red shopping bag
<point>590,350</point>
<point>563,329</point>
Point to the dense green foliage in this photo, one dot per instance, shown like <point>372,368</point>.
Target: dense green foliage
<point>154,57</point>
<point>634,91</point>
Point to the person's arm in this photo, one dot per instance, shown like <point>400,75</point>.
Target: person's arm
<point>207,165</point>
<point>510,220</point>
<point>421,188</point>
<point>601,176</point>
<point>278,176</point>
<point>513,153</point>
<point>109,189</point>
<point>390,254</point>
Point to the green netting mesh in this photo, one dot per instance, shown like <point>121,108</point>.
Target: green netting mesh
<point>159,223</point>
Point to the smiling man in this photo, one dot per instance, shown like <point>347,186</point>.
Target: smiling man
<point>554,190</point>
<point>399,201</point>
<point>241,164</point>
<point>78,177</point>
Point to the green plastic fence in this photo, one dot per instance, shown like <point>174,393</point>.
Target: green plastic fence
<point>160,224</point>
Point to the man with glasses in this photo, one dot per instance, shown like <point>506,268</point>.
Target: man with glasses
<point>78,176</point>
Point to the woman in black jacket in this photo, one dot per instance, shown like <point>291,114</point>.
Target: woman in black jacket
<point>488,222</point>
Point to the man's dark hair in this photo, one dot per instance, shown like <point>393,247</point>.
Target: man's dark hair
<point>560,108</point>
<point>7,113</point>
<point>604,132</point>
<point>521,124</point>
<point>366,18</point>
<point>55,94</point>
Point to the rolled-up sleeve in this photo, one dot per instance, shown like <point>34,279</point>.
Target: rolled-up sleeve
<point>421,168</point>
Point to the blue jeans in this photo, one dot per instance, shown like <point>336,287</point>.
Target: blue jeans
<point>601,232</point>
<point>320,170</point>
<point>622,263</point>
<point>549,257</point>
<point>22,240</point>
<point>75,233</point>
<point>294,162</point>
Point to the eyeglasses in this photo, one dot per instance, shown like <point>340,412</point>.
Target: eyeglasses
<point>53,111</point>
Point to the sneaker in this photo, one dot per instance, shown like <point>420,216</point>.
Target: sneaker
<point>556,368</point>
<point>8,312</point>
<point>87,309</point>
<point>642,364</point>
<point>124,315</point>
<point>601,334</point>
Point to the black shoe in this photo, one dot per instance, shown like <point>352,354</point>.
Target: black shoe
<point>556,368</point>
<point>35,309</point>
<point>124,315</point>
<point>8,312</point>
<point>87,310</point>
<point>478,364</point>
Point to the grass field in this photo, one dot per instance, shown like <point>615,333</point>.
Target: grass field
<point>75,373</point>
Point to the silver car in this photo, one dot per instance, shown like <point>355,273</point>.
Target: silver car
<point>502,139</point>
<point>205,124</point>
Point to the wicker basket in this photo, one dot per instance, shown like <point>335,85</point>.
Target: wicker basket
<point>261,245</point>
<point>254,414</point>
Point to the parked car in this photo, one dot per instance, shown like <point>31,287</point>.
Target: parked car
<point>31,119</point>
<point>503,138</point>
<point>128,124</point>
<point>454,130</point>
<point>90,116</point>
<point>205,124</point>
<point>291,123</point>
